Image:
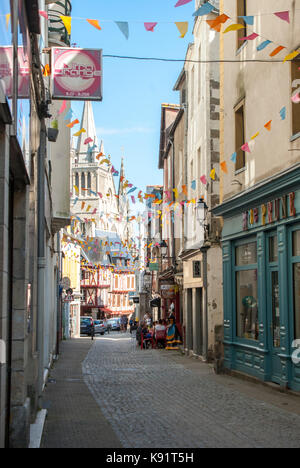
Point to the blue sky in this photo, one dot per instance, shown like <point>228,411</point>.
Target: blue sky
<point>129,116</point>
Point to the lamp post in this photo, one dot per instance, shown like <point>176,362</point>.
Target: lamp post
<point>202,211</point>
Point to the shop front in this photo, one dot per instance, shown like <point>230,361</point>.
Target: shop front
<point>261,269</point>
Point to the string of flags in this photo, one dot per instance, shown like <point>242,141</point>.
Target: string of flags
<point>247,147</point>
<point>183,26</point>
<point>216,25</point>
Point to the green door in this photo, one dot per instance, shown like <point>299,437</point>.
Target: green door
<point>273,308</point>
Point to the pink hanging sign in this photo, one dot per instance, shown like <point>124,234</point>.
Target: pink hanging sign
<point>77,74</point>
<point>6,72</point>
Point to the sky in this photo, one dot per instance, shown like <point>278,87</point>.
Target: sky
<point>128,118</point>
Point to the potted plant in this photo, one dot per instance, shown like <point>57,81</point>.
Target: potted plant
<point>53,131</point>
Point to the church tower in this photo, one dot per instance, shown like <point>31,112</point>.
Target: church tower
<point>94,204</point>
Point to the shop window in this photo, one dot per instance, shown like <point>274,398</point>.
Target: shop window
<point>247,292</point>
<point>296,244</point>
<point>89,181</point>
<point>275,309</point>
<point>240,135</point>
<point>296,107</point>
<point>296,281</point>
<point>197,269</point>
<point>241,11</point>
<point>273,249</point>
<point>246,254</point>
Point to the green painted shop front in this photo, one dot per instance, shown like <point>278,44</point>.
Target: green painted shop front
<point>261,270</point>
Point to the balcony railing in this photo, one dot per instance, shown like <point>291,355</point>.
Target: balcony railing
<point>57,30</point>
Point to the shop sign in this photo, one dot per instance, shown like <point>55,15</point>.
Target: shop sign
<point>77,74</point>
<point>154,266</point>
<point>268,213</point>
<point>168,291</point>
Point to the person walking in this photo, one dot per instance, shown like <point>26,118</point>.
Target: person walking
<point>92,331</point>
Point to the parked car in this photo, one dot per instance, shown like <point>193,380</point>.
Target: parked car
<point>86,324</point>
<point>114,324</point>
<point>100,327</point>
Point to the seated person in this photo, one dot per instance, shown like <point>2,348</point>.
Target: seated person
<point>139,333</point>
<point>146,334</point>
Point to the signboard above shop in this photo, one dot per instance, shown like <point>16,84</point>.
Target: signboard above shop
<point>77,74</point>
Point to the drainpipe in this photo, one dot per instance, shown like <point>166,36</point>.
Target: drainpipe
<point>41,255</point>
<point>171,140</point>
<point>205,304</point>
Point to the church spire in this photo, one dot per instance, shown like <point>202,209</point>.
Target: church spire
<point>122,191</point>
<point>88,123</point>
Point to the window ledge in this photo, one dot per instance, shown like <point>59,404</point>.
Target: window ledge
<point>295,137</point>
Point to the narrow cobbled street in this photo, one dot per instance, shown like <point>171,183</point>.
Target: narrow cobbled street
<point>112,394</point>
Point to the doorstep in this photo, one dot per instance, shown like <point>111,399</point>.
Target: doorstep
<point>249,378</point>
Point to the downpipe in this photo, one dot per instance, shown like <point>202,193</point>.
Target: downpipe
<point>41,260</point>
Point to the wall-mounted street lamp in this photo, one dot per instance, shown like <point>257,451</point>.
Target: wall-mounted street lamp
<point>202,211</point>
<point>164,249</point>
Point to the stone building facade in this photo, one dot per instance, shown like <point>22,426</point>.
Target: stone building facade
<point>260,198</point>
<point>30,218</point>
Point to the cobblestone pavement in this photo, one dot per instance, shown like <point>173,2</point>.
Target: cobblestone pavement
<point>153,399</point>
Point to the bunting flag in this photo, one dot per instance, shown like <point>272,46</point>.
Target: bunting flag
<point>234,27</point>
<point>44,14</point>
<point>284,15</point>
<point>248,20</point>
<point>224,167</point>
<point>292,55</point>
<point>255,136</point>
<point>213,174</point>
<point>63,108</point>
<point>283,113</point>
<point>184,190</point>
<point>203,180</point>
<point>268,126</point>
<point>296,98</point>
<point>88,140</point>
<point>133,199</point>
<point>194,185</point>
<point>67,20</point>
<point>249,38</point>
<point>263,45</point>
<point>182,2</point>
<point>76,189</point>
<point>217,23</point>
<point>124,28</point>
<point>94,23</point>
<point>276,51</point>
<point>69,115</point>
<point>132,190</point>
<point>150,26</point>
<point>205,9</point>
<point>7,18</point>
<point>246,148</point>
<point>183,28</point>
<point>234,157</point>
<point>80,132</point>
<point>47,70</point>
<point>72,124</point>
